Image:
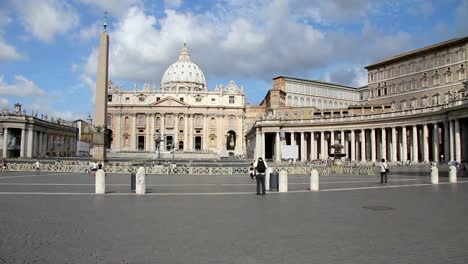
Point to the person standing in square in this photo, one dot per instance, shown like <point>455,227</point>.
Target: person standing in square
<point>260,166</point>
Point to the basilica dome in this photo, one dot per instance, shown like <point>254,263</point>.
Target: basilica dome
<point>184,73</point>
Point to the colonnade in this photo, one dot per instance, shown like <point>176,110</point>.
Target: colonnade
<point>36,143</point>
<point>422,142</point>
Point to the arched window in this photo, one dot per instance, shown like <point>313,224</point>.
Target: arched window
<point>232,122</point>
<point>314,103</point>
<point>109,120</point>
<point>302,101</point>
<point>169,121</point>
<point>158,121</point>
<point>212,122</point>
<point>198,121</point>
<point>319,104</point>
<point>308,101</point>
<point>181,122</point>
<point>336,105</point>
<point>127,121</point>
<point>290,102</point>
<point>296,101</point>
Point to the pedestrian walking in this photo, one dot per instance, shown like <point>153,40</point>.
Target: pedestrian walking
<point>383,171</point>
<point>252,171</point>
<point>260,167</point>
<point>38,167</point>
<point>94,168</point>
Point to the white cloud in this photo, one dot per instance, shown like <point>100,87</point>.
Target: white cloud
<point>44,19</point>
<point>3,102</point>
<point>8,52</point>
<point>114,7</point>
<point>21,88</point>
<point>172,3</point>
<point>90,32</point>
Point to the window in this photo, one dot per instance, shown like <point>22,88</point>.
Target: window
<point>371,77</point>
<point>181,99</point>
<point>198,121</point>
<point>231,99</point>
<point>461,74</point>
<point>158,99</point>
<point>296,101</point>
<point>402,70</point>
<point>127,121</point>
<point>461,55</point>
<point>424,82</point>
<point>169,121</point>
<point>413,84</point>
<point>141,99</point>
<point>213,100</point>
<point>448,58</point>
<point>198,99</point>
<point>402,87</point>
<point>109,98</point>
<point>448,77</point>
<point>436,79</point>
<point>127,99</point>
<point>302,101</point>
<point>434,61</point>
<point>289,102</point>
<point>141,121</point>
<point>232,122</point>
<point>158,121</point>
<point>413,67</point>
<point>423,65</point>
<point>212,122</point>
<point>109,120</point>
<point>181,122</point>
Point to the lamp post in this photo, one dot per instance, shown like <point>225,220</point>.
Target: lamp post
<point>157,138</point>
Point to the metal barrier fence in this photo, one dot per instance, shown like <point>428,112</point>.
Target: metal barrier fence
<point>292,170</point>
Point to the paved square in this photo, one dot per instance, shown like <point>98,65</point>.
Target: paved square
<point>56,218</point>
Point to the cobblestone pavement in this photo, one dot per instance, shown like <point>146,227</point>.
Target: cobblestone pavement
<point>55,218</point>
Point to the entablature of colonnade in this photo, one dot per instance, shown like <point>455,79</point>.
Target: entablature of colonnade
<point>418,116</point>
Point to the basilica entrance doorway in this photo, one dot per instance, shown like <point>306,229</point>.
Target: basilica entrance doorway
<point>198,143</point>
<point>141,142</point>
<point>169,142</point>
<point>231,140</point>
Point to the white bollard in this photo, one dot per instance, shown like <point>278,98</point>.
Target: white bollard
<point>283,181</point>
<point>434,175</point>
<point>267,178</point>
<point>314,181</point>
<point>452,174</point>
<point>140,181</point>
<point>100,182</point>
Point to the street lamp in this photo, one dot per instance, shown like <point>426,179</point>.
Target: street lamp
<point>157,138</point>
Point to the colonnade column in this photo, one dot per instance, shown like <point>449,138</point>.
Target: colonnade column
<point>190,133</point>
<point>452,137</point>
<point>457,140</point>
<point>394,145</point>
<point>41,148</point>
<point>186,133</point>
<point>435,143</point>
<point>415,144</point>
<point>303,148</point>
<point>30,144</point>
<point>312,146</point>
<point>353,146</point>
<point>332,138</point>
<point>257,151</point>
<point>363,145</point>
<point>23,142</point>
<point>277,147</point>
<point>404,149</point>
<point>147,132</point>
<point>293,141</point>
<point>152,143</point>
<point>262,150</point>
<point>176,132</point>
<point>383,149</point>
<point>5,136</point>
<point>446,141</point>
<point>373,146</point>
<point>425,143</point>
<point>322,145</point>
<point>342,138</point>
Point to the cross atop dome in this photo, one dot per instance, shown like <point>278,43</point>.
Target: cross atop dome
<point>184,54</point>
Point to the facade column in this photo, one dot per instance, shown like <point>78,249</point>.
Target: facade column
<point>404,149</point>
<point>152,130</point>
<point>353,146</point>
<point>293,141</point>
<point>342,138</point>
<point>383,149</point>
<point>262,153</point>
<point>205,132</point>
<point>415,144</point>
<point>457,140</point>
<point>29,144</point>
<point>363,145</point>
<point>133,145</point>
<point>41,141</point>
<point>5,137</point>
<point>303,148</point>
<point>435,143</point>
<point>322,145</point>
<point>190,133</point>
<point>394,145</point>
<point>446,141</point>
<point>277,147</point>
<point>147,132</point>
<point>332,138</point>
<point>452,137</point>
<point>312,146</point>
<point>176,131</point>
<point>373,146</point>
<point>118,131</point>
<point>425,143</point>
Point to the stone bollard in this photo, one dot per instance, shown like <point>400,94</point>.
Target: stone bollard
<point>314,181</point>
<point>452,174</point>
<point>267,178</point>
<point>434,175</point>
<point>283,181</point>
<point>140,181</point>
<point>100,182</point>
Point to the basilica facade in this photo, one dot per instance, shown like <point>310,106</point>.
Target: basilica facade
<point>182,114</point>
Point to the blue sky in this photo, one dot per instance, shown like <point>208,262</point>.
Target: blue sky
<point>48,48</point>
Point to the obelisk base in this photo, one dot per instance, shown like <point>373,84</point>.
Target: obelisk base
<point>99,148</point>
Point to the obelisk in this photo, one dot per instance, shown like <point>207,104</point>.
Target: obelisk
<point>100,102</point>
